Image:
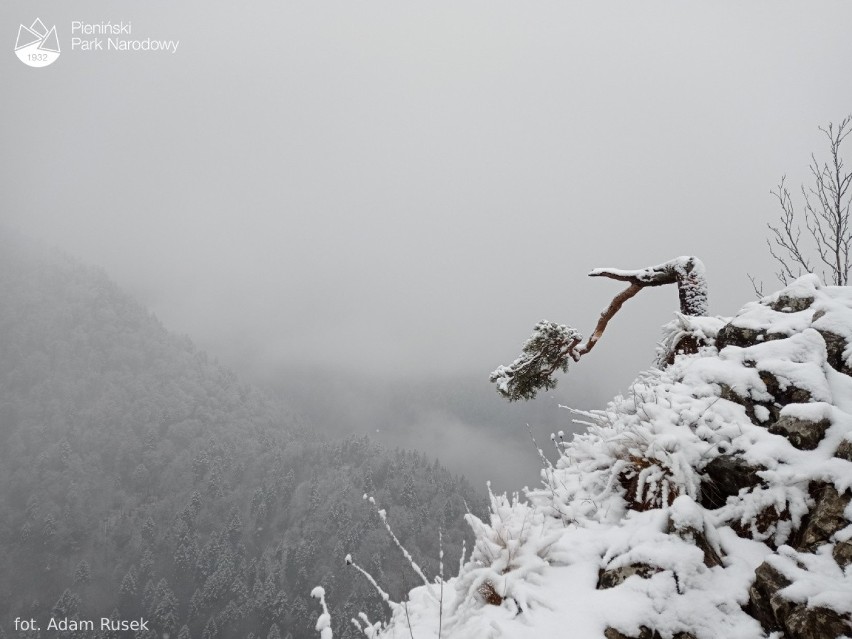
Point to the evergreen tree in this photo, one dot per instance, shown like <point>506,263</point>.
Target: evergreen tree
<point>211,630</point>
<point>114,617</point>
<point>48,529</point>
<point>146,564</point>
<point>149,530</point>
<point>235,526</point>
<point>67,605</point>
<point>83,574</point>
<point>127,590</point>
<point>165,607</point>
<point>409,493</point>
<point>148,595</point>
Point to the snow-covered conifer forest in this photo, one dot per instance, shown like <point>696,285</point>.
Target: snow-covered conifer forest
<point>140,479</point>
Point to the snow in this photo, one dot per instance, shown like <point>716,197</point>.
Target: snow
<point>699,327</point>
<point>679,264</point>
<point>323,625</point>
<point>688,270</point>
<point>817,579</point>
<point>626,495</point>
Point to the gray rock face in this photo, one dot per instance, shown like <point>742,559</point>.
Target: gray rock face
<point>612,633</point>
<point>616,576</point>
<point>789,304</point>
<point>726,392</point>
<point>732,335</point>
<point>789,394</point>
<point>797,621</point>
<point>687,345</point>
<point>815,623</point>
<point>781,396</point>
<point>802,433</point>
<point>825,519</point>
<point>765,604</point>
<point>725,476</point>
<point>834,347</point>
<point>644,633</point>
<point>842,554</point>
<point>844,450</point>
<point>699,539</point>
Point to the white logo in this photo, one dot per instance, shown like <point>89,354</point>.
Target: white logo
<point>37,46</point>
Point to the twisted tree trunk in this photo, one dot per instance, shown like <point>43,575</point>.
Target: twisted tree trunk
<point>552,345</point>
<point>685,271</point>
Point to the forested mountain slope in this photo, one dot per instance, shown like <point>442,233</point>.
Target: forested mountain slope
<point>711,502</point>
<point>140,478</point>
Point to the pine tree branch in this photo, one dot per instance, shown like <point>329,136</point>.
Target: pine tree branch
<point>552,345</point>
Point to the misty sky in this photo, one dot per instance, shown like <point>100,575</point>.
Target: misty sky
<point>394,192</point>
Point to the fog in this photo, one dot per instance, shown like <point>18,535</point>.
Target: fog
<point>365,207</point>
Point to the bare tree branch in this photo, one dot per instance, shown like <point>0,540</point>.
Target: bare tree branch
<point>787,237</point>
<point>758,288</point>
<point>825,214</point>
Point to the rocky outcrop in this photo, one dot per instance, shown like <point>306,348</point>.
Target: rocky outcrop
<point>725,476</point>
<point>732,335</point>
<point>786,303</point>
<point>750,405</point>
<point>835,346</point>
<point>617,576</point>
<point>787,407</point>
<point>797,621</point>
<point>804,434</point>
<point>696,534</point>
<point>644,633</point>
<point>825,519</point>
<point>804,425</point>
<point>815,623</point>
<point>711,501</point>
<point>844,450</point>
<point>842,554</point>
<point>765,604</point>
<point>784,393</point>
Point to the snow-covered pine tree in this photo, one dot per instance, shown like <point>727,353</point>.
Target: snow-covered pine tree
<point>552,346</point>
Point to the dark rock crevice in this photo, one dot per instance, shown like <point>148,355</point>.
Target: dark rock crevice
<point>725,476</point>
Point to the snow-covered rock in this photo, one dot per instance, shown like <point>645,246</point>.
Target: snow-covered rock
<point>712,502</point>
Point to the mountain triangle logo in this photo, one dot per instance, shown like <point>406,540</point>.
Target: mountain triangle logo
<point>36,45</point>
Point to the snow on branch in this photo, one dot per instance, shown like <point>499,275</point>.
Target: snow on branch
<point>384,517</point>
<point>324,621</point>
<point>385,596</point>
<point>685,271</point>
<point>551,346</point>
